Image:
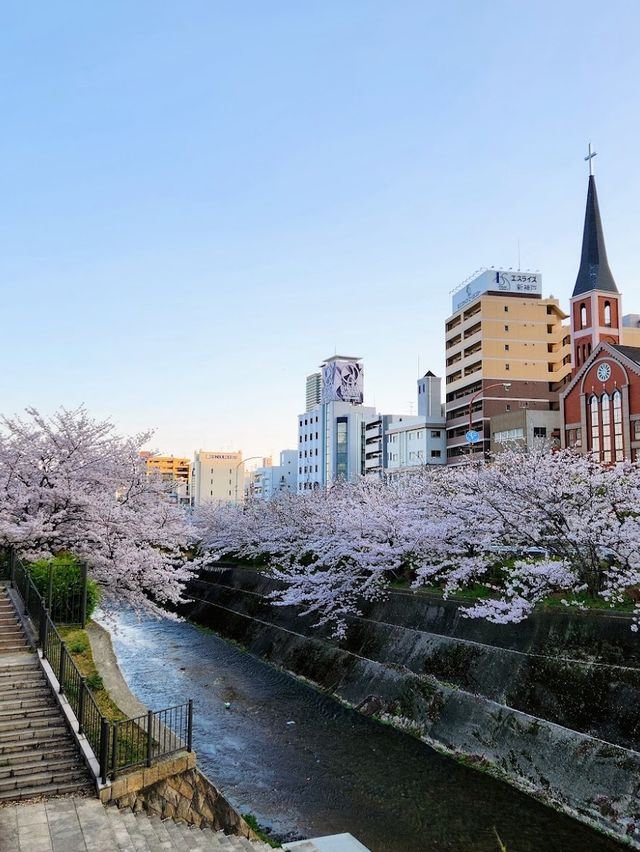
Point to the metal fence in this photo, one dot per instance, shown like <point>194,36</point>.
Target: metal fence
<point>118,745</point>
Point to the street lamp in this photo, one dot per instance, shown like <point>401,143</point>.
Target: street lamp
<point>242,461</point>
<point>507,388</point>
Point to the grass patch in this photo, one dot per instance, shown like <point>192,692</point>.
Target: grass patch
<point>585,600</point>
<point>253,824</point>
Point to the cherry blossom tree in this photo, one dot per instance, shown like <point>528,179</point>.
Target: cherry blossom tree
<point>70,483</point>
<point>527,525</point>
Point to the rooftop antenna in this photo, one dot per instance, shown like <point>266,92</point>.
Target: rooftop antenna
<point>589,159</point>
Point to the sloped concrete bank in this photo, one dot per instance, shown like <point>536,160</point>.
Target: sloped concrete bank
<point>552,705</point>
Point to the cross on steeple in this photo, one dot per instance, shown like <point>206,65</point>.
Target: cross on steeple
<point>589,159</point>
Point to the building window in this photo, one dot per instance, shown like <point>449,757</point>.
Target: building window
<point>508,435</point>
<point>578,437</point>
<point>539,431</point>
<point>606,428</point>
<point>583,315</point>
<point>435,433</point>
<point>595,425</point>
<point>506,366</point>
<point>636,430</point>
<point>342,448</point>
<point>617,426</point>
<point>507,407</point>
<point>506,347</point>
<point>506,328</point>
<point>607,314</point>
<point>506,309</point>
<point>436,454</point>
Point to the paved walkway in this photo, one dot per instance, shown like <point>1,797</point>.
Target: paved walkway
<point>84,825</point>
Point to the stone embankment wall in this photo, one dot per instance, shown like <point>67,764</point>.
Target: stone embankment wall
<point>176,788</point>
<point>552,704</point>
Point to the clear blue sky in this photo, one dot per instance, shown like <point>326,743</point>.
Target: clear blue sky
<point>202,200</point>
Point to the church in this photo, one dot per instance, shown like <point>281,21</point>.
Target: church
<point>600,406</point>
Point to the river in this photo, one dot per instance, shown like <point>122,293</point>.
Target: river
<point>307,766</point>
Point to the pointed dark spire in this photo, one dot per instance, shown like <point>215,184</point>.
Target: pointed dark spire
<point>594,272</point>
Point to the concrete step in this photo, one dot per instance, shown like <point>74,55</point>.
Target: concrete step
<point>32,738</point>
<point>13,646</point>
<point>137,838</point>
<point>75,773</point>
<point>46,790</point>
<point>39,767</point>
<point>34,711</point>
<point>14,702</point>
<point>27,693</point>
<point>45,719</point>
<point>57,750</point>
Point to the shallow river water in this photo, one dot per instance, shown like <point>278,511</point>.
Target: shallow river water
<point>306,766</point>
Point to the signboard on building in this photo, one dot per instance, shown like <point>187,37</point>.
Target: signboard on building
<point>342,381</point>
<point>499,281</point>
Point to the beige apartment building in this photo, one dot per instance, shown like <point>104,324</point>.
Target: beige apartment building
<point>173,469</point>
<point>217,477</point>
<point>507,349</point>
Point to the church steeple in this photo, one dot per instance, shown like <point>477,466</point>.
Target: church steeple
<point>594,272</point>
<point>596,309</point>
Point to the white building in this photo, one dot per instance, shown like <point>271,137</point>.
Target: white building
<point>330,434</point>
<point>273,479</point>
<point>342,439</point>
<point>409,442</point>
<point>217,477</point>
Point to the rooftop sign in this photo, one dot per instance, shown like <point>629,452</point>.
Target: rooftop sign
<point>497,280</point>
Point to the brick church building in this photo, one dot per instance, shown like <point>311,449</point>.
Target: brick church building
<point>600,405</point>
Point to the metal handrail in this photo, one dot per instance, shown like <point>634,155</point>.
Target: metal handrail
<point>140,740</point>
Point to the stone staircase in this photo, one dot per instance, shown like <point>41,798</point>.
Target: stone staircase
<point>78,824</point>
<point>38,754</point>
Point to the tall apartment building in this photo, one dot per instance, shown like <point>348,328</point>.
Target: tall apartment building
<point>173,469</point>
<point>507,348</point>
<point>217,477</point>
<point>314,391</point>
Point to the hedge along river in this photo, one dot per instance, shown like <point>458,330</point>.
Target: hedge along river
<point>305,765</point>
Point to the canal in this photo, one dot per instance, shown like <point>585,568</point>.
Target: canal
<point>306,766</point>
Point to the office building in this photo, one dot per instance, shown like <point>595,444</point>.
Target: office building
<point>217,477</point>
<point>507,349</point>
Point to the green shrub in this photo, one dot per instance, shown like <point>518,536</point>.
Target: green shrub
<point>94,681</point>
<point>66,587</point>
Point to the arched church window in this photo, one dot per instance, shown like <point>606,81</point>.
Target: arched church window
<point>595,425</point>
<point>607,314</point>
<point>606,427</point>
<point>618,442</point>
<point>583,315</point>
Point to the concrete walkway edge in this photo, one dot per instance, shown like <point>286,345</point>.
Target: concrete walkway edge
<point>107,665</point>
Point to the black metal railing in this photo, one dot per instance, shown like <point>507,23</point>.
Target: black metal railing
<point>118,745</point>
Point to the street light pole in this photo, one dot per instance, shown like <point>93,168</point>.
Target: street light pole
<point>507,388</point>
<point>242,461</point>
